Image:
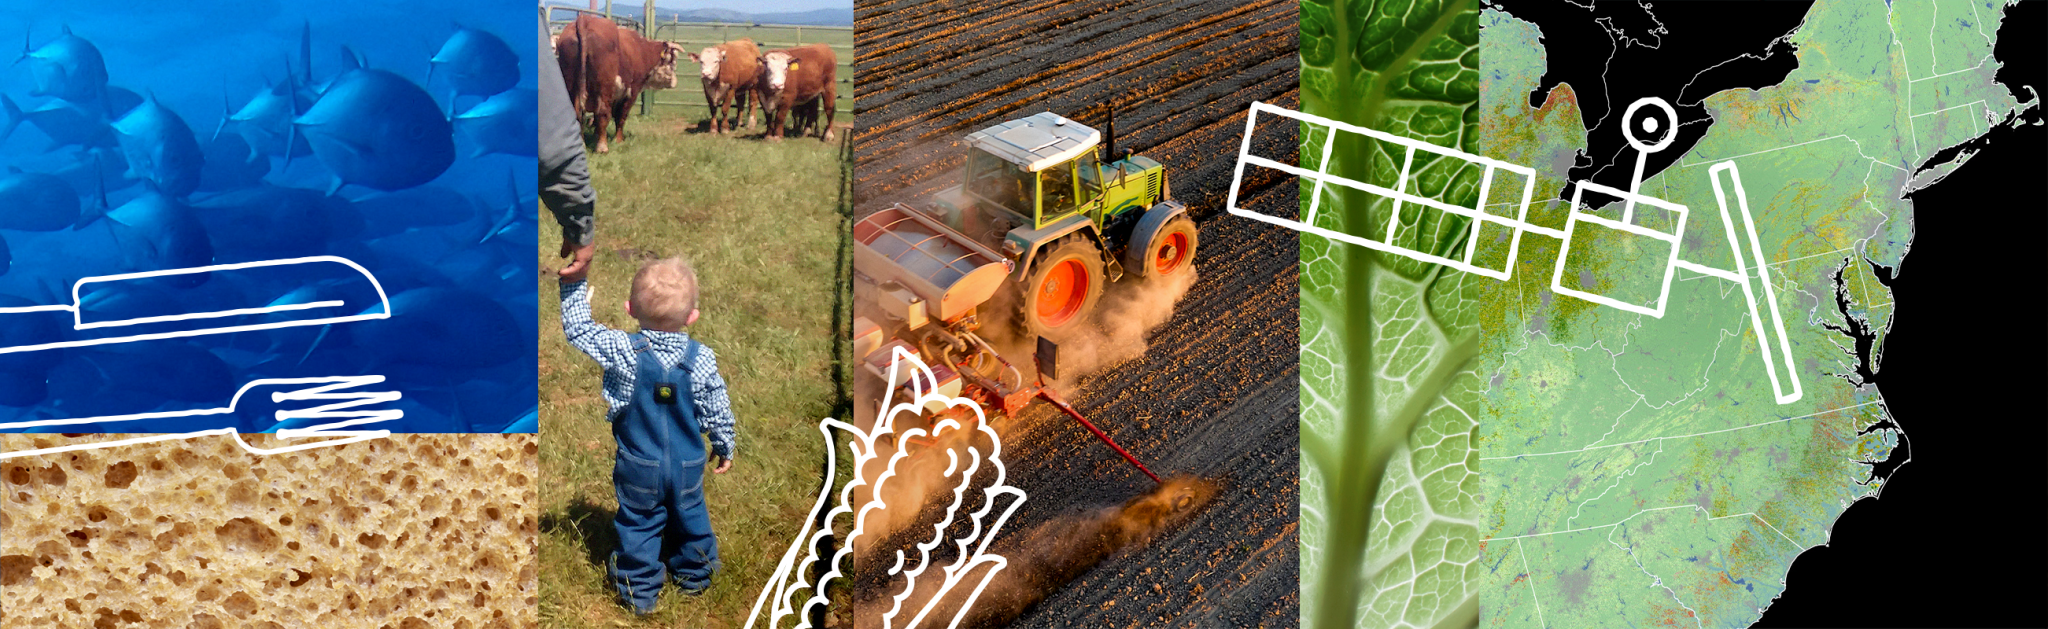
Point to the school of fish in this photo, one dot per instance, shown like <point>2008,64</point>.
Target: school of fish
<point>359,160</point>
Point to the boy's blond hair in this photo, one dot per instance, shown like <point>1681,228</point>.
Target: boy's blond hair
<point>664,293</point>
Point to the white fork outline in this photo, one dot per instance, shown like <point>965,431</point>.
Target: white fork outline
<point>337,407</point>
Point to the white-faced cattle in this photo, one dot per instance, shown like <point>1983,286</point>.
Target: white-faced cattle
<point>731,71</point>
<point>795,76</point>
<point>606,68</point>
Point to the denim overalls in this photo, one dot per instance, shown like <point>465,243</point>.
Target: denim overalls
<point>659,477</point>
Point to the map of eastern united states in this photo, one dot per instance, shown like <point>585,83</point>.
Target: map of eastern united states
<point>1637,471</point>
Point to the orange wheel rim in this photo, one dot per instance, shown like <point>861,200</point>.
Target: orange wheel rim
<point>1171,253</point>
<point>1061,292</point>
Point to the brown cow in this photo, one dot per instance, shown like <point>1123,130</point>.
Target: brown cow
<point>730,71</point>
<point>606,68</point>
<point>802,118</point>
<point>795,76</point>
<point>569,55</point>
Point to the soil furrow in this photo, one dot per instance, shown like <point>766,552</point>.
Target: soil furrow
<point>901,158</point>
<point>1044,64</point>
<point>1215,394</point>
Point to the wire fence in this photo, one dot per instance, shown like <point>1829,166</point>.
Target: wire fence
<point>697,35</point>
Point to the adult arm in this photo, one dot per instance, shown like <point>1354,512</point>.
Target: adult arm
<point>564,175</point>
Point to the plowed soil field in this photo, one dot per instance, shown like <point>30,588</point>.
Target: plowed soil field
<point>1215,394</point>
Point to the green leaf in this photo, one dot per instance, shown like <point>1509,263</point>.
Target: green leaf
<point>1389,503</point>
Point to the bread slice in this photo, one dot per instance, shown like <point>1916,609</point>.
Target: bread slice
<point>403,532</point>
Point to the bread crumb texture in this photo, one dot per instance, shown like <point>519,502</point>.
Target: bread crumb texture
<point>409,532</point>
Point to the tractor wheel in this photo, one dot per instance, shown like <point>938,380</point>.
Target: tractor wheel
<point>1060,294</point>
<point>1167,251</point>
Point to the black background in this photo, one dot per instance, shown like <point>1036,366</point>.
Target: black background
<point>1681,52</point>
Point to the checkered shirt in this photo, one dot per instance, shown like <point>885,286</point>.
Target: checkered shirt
<point>613,350</point>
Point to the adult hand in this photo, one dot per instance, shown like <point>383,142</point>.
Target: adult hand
<point>579,263</point>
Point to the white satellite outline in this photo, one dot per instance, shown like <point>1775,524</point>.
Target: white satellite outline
<point>1519,224</point>
<point>788,580</point>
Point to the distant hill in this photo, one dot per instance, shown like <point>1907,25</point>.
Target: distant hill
<point>818,17</point>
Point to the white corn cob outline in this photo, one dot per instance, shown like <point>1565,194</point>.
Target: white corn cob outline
<point>789,579</point>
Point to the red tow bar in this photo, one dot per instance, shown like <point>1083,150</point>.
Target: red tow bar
<point>1047,394</point>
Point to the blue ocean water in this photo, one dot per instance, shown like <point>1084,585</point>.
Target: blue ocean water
<point>205,204</point>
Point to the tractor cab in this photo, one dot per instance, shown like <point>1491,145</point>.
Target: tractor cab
<point>1042,169</point>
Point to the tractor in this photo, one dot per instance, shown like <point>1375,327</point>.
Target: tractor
<point>1070,214</point>
<point>1046,211</point>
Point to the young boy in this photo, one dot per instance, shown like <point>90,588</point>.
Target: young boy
<point>665,394</point>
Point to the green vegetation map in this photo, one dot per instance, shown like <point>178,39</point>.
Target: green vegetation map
<point>1636,471</point>
<point>1493,453</point>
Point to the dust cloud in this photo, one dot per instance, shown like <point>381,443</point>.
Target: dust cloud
<point>1127,313</point>
<point>1043,557</point>
<point>1048,555</point>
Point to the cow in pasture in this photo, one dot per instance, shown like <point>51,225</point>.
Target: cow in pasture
<point>569,55</point>
<point>607,67</point>
<point>796,76</point>
<point>802,118</point>
<point>731,70</point>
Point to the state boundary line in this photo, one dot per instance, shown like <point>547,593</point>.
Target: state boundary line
<point>1697,434</point>
<point>1710,516</point>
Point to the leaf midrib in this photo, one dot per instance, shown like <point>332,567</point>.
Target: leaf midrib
<point>1359,477</point>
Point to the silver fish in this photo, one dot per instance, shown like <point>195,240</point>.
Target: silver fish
<point>445,327</point>
<point>98,167</point>
<point>425,206</point>
<point>476,63</point>
<point>23,329</point>
<point>350,61</point>
<point>68,67</point>
<point>66,124</point>
<point>510,221</point>
<point>37,202</point>
<point>160,149</point>
<point>120,101</point>
<point>13,117</point>
<point>231,164</point>
<point>145,374</point>
<point>156,232</point>
<point>127,300</point>
<point>265,123</point>
<point>376,129</point>
<point>503,123</point>
<point>267,222</point>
